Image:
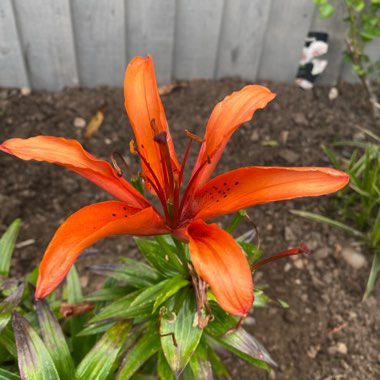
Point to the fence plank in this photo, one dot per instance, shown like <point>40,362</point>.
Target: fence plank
<point>242,36</point>
<point>196,38</point>
<point>336,29</point>
<point>99,28</point>
<point>46,34</point>
<point>289,22</point>
<point>12,66</point>
<point>150,30</point>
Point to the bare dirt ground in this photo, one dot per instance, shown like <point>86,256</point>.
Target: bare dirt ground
<point>327,333</point>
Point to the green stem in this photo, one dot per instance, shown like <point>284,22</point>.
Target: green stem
<point>236,221</point>
<point>372,275</point>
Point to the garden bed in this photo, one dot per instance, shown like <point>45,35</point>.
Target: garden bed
<point>327,333</point>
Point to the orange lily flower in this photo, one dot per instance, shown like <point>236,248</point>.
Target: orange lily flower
<point>216,256</point>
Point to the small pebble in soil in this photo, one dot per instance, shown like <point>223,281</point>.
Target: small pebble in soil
<point>79,122</point>
<point>333,93</point>
<point>255,136</point>
<point>289,234</point>
<point>287,267</point>
<point>25,91</point>
<point>313,351</point>
<point>338,348</point>
<point>353,258</point>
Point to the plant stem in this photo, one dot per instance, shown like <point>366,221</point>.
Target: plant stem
<point>356,50</point>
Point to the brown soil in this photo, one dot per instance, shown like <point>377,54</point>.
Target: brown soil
<point>323,290</point>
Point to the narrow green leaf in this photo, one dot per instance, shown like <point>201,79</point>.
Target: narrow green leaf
<point>141,351</point>
<point>172,286</point>
<point>163,369</point>
<point>95,329</point>
<point>108,294</point>
<point>101,362</point>
<point>116,310</point>
<point>218,367</point>
<point>73,288</point>
<point>8,285</point>
<point>54,340</point>
<point>156,257</point>
<point>261,299</point>
<point>34,360</point>
<point>186,335</point>
<point>7,245</point>
<point>200,364</point>
<point>8,305</point>
<point>240,342</point>
<point>375,267</point>
<point>251,250</point>
<point>170,250</point>
<point>134,273</point>
<point>7,340</point>
<point>328,221</point>
<point>6,375</point>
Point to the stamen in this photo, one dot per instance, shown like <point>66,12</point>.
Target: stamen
<point>303,248</point>
<point>117,167</point>
<point>132,147</point>
<point>193,136</point>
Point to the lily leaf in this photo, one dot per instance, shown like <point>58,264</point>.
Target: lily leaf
<point>200,364</point>
<point>134,305</point>
<point>34,360</point>
<point>7,340</point>
<point>182,337</point>
<point>134,273</point>
<point>172,287</point>
<point>8,305</point>
<point>7,245</point>
<point>54,340</point>
<point>6,375</point>
<point>102,360</point>
<point>240,342</point>
<point>157,257</point>
<point>95,329</point>
<point>163,369</point>
<point>141,351</point>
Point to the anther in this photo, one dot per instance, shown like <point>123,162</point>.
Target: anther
<point>193,136</point>
<point>132,147</point>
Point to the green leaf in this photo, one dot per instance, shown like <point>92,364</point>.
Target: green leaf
<point>7,245</point>
<point>8,305</point>
<point>6,375</point>
<point>251,250</point>
<point>73,287</point>
<point>7,340</point>
<point>108,294</point>
<point>326,11</point>
<point>156,257</point>
<point>34,360</point>
<point>200,364</point>
<point>186,335</point>
<point>95,329</point>
<point>134,273</point>
<point>54,340</point>
<point>240,342</point>
<point>101,362</point>
<point>329,221</point>
<point>261,299</point>
<point>217,365</point>
<point>116,310</point>
<point>172,286</point>
<point>164,371</point>
<point>141,351</point>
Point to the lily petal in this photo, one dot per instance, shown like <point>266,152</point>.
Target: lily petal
<point>220,262</point>
<point>143,105</point>
<point>246,187</point>
<point>72,155</point>
<point>226,117</point>
<point>84,228</point>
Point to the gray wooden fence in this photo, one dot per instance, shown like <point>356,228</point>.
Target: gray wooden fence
<point>51,44</point>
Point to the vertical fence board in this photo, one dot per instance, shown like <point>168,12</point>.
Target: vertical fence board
<point>289,22</point>
<point>150,30</point>
<point>12,66</point>
<point>99,28</point>
<point>46,34</point>
<point>196,38</point>
<point>242,37</point>
<point>336,29</point>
